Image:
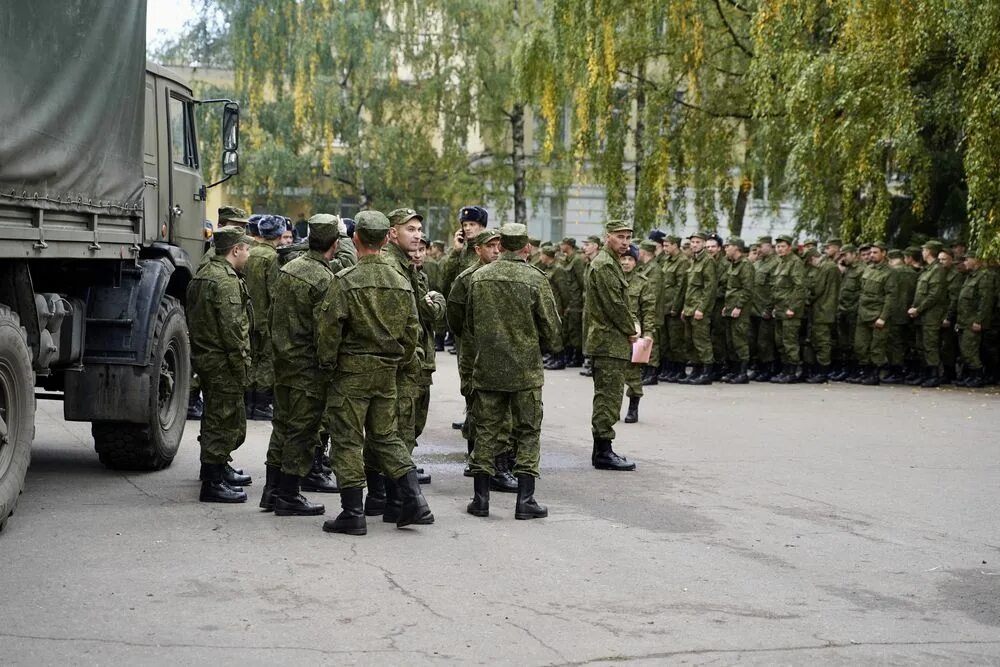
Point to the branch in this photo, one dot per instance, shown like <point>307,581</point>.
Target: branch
<point>713,114</point>
<point>641,79</point>
<point>729,27</point>
<point>740,7</point>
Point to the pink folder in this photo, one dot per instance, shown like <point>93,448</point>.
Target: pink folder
<point>641,350</point>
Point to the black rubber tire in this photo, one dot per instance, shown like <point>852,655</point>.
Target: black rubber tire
<point>17,411</point>
<point>152,446</point>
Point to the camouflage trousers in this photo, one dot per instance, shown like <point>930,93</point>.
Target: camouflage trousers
<point>572,327</point>
<point>871,344</point>
<point>738,337</point>
<point>698,334</point>
<point>633,381</point>
<point>421,405</point>
<point>899,344</point>
<point>949,350</point>
<point>609,383</point>
<point>970,344</point>
<point>720,343</point>
<point>262,370</point>
<point>364,429</point>
<point>929,335</point>
<point>846,324</point>
<point>502,418</point>
<point>408,392</point>
<point>223,424</point>
<point>298,418</point>
<point>786,339</point>
<point>821,337</point>
<point>677,347</point>
<point>763,340</point>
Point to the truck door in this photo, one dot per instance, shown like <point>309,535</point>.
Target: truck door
<point>185,206</point>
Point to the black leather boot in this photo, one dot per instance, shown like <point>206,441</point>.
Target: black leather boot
<point>740,375</point>
<point>558,362</point>
<point>821,376</point>
<point>393,502</point>
<point>439,342</point>
<point>704,377</point>
<point>375,500</point>
<point>872,376</point>
<point>527,507</point>
<point>413,509</point>
<point>317,480</point>
<point>604,458</point>
<point>650,376</point>
<point>480,505</point>
<point>933,378</point>
<point>574,358</point>
<point>632,416</point>
<point>234,477</point>
<point>351,520</point>
<point>912,378</point>
<point>782,377</point>
<point>764,372</point>
<point>262,405</point>
<point>974,378</point>
<point>271,482</point>
<point>289,502</point>
<point>696,370</point>
<point>215,490</point>
<point>503,481</point>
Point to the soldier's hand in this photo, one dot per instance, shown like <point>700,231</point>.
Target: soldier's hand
<point>977,327</point>
<point>459,240</point>
<point>698,315</point>
<point>735,313</point>
<point>880,323</point>
<point>632,339</point>
<point>789,313</point>
<point>945,324</point>
<point>912,312</point>
<point>430,296</point>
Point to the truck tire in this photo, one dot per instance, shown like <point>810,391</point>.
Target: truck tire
<point>152,446</point>
<point>17,411</point>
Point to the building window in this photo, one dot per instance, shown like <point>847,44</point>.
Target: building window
<point>557,218</point>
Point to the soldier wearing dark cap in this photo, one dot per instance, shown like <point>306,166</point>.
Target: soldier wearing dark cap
<point>220,318</point>
<point>471,220</point>
<point>511,312</point>
<point>293,453</point>
<point>572,315</point>
<point>699,303</point>
<point>367,327</point>
<point>789,292</point>
<point>611,330</point>
<point>674,283</point>
<point>261,275</point>
<point>875,304</point>
<point>762,322</point>
<point>928,310</point>
<point>736,310</point>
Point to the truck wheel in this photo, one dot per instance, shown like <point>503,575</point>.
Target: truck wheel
<point>152,446</point>
<point>17,411</point>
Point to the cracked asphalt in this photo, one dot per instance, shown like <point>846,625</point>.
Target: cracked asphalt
<point>765,525</point>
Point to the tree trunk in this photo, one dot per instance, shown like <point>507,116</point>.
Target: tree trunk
<point>740,208</point>
<point>517,160</point>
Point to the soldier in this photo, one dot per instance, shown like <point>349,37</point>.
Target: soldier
<point>572,315</point>
<point>428,366</point>
<point>672,296</point>
<point>471,220</point>
<point>875,304</point>
<point>591,247</point>
<point>487,248</point>
<point>713,246</point>
<point>367,328</point>
<point>899,337</point>
<point>929,309</point>
<point>611,330</point>
<point>261,275</point>
<point>789,293</point>
<point>534,252</point>
<point>975,316</point>
<point>642,301</point>
<point>699,303</point>
<point>824,299</point>
<point>219,320</point>
<point>956,273</point>
<point>847,311</point>
<point>512,314</point>
<point>736,310</point>
<point>763,306</point>
<point>651,268</point>
<point>293,453</point>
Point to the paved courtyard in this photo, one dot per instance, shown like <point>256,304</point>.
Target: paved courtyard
<point>765,525</point>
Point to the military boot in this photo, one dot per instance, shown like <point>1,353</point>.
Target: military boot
<point>740,375</point>
<point>604,458</point>
<point>215,490</point>
<point>271,482</point>
<point>588,368</point>
<point>317,480</point>
<point>375,500</point>
<point>974,378</point>
<point>558,362</point>
<point>480,505</point>
<point>351,520</point>
<point>821,376</point>
<point>933,378</point>
<point>527,507</point>
<point>696,371</point>
<point>632,416</point>
<point>234,477</point>
<point>873,376</point>
<point>780,377</point>
<point>704,377</point>
<point>393,502</point>
<point>764,373</point>
<point>249,399</point>
<point>413,506</point>
<point>196,407</point>
<point>262,406</point>
<point>439,342</point>
<point>913,377</point>
<point>503,481</point>
<point>289,502</point>
<point>649,376</point>
<point>574,358</point>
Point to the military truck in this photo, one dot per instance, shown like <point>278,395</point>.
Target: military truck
<point>102,223</point>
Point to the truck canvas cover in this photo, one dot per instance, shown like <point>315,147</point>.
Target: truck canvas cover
<point>71,104</point>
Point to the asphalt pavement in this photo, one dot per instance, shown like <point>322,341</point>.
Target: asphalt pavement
<point>765,525</point>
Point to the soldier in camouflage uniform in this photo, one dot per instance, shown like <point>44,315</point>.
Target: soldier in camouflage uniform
<point>650,267</point>
<point>929,309</point>
<point>642,301</point>
<point>900,329</point>
<point>472,220</point>
<point>823,300</point>
<point>762,320</point>
<point>720,353</point>
<point>219,319</point>
<point>789,293</point>
<point>261,274</point>
<point>736,307</point>
<point>575,269</point>
<point>976,303</point>
<point>674,283</point>
<point>878,287</point>
<point>300,386</point>
<point>699,304</point>
<point>956,274</point>
<point>367,328</point>
<point>428,364</point>
<point>847,311</point>
<point>611,328</point>
<point>511,313</point>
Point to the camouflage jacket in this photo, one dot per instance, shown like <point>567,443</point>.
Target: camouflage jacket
<point>302,284</point>
<point>607,319</point>
<point>975,301</point>
<point>906,286</point>
<point>642,300</point>
<point>789,287</point>
<point>702,283</point>
<point>763,285</point>
<point>825,292</point>
<point>575,270</point>
<point>430,315</point>
<point>931,296</point>
<point>455,263</point>
<point>878,287</point>
<point>739,288</point>
<point>345,256</point>
<point>261,274</point>
<point>512,314</point>
<point>956,279</point>
<point>850,291</point>
<point>674,283</point>
<point>219,317</point>
<point>458,320</point>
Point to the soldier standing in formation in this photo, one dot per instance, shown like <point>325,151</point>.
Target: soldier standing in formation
<point>736,310</point>
<point>824,292</point>
<point>511,313</point>
<point>699,304</point>
<point>261,274</point>
<point>642,301</point>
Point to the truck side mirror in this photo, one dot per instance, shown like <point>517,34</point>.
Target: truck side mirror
<point>230,163</point>
<point>230,127</point>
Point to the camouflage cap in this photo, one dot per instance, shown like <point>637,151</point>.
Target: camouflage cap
<point>425,241</point>
<point>513,236</point>
<point>569,240</point>
<point>233,214</point>
<point>958,242</point>
<point>438,244</point>
<point>834,241</point>
<point>895,253</point>
<point>848,248</point>
<point>594,238</point>
<point>934,246</point>
<point>401,216</point>
<point>784,238</point>
<point>972,254</point>
<point>812,242</point>
<point>736,241</point>
<point>485,237</point>
<point>648,245</point>
<point>880,245</point>
<point>865,246</point>
<point>371,226</point>
<point>324,227</point>
<point>948,251</point>
<point>535,242</point>
<point>672,238</point>
<point>810,253</point>
<point>699,235</point>
<point>612,226</point>
<point>765,239</point>
<point>228,237</point>
<point>549,251</point>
